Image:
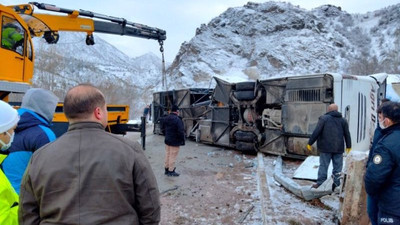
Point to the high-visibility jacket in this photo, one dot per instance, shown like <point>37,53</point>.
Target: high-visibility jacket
<point>10,37</point>
<point>8,200</point>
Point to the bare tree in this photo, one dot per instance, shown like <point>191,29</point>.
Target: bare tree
<point>364,66</point>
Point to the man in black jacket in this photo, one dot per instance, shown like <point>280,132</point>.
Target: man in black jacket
<point>88,175</point>
<point>331,132</point>
<point>174,137</point>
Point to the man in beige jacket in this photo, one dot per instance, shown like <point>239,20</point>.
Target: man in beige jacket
<point>89,176</point>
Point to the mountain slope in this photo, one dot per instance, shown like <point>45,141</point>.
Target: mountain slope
<point>124,80</point>
<point>255,41</point>
<point>275,38</point>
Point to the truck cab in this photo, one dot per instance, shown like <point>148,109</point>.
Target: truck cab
<point>16,62</point>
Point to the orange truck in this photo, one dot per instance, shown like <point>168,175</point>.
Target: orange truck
<point>20,23</point>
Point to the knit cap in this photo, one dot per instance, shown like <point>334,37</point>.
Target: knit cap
<point>8,116</point>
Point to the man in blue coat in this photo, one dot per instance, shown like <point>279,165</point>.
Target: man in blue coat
<point>382,178</point>
<point>174,137</point>
<point>32,132</point>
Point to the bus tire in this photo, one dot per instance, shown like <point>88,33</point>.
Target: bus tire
<point>245,146</point>
<point>245,136</point>
<point>244,95</point>
<point>245,86</point>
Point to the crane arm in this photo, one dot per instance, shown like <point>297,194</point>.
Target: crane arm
<point>48,25</point>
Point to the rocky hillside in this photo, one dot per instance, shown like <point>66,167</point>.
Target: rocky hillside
<point>250,42</point>
<point>274,38</point>
<point>124,80</point>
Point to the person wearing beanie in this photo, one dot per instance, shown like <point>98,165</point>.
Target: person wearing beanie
<point>8,197</point>
<point>33,131</point>
<point>174,137</point>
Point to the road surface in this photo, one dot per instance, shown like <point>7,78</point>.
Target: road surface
<point>224,186</point>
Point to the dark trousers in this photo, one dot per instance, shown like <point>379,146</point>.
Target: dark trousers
<point>372,209</point>
<point>324,160</point>
<point>385,219</point>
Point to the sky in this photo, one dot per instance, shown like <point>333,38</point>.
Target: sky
<point>180,18</point>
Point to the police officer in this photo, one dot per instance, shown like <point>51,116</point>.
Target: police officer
<point>382,179</point>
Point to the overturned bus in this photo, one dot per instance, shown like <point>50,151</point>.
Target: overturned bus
<point>192,103</point>
<point>278,115</point>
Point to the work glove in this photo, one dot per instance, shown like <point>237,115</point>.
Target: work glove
<point>309,148</point>
<point>348,150</point>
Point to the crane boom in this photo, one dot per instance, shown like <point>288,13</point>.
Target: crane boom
<point>48,25</point>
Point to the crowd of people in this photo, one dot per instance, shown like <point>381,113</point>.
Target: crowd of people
<point>86,176</point>
<point>90,176</point>
<point>382,178</point>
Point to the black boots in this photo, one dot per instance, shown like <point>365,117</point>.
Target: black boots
<point>171,173</point>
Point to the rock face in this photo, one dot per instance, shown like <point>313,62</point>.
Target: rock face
<point>274,38</point>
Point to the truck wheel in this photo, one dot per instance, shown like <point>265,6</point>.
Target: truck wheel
<point>244,95</point>
<point>245,136</point>
<point>245,86</point>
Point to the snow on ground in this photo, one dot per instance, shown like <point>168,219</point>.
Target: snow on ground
<point>289,209</point>
<point>219,186</point>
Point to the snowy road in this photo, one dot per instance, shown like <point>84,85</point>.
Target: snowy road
<point>219,186</point>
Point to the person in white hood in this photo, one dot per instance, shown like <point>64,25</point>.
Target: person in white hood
<point>8,197</point>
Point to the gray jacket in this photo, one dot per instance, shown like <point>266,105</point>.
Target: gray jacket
<point>89,176</point>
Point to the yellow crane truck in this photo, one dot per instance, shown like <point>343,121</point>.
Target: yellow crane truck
<point>19,24</point>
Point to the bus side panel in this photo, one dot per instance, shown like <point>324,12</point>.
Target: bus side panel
<point>359,108</point>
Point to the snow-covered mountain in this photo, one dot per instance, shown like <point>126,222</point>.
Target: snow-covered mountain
<point>255,41</point>
<point>124,80</point>
<point>275,38</point>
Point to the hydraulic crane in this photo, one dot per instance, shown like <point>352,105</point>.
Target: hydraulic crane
<point>16,63</point>
<point>20,23</point>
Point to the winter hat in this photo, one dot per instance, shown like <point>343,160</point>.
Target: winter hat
<point>8,117</point>
<point>174,108</point>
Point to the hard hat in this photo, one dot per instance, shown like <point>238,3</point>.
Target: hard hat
<point>8,117</point>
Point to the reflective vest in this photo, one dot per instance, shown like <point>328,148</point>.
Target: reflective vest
<point>8,200</point>
<point>10,37</point>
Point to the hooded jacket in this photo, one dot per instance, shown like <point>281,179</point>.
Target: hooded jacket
<point>173,129</point>
<point>331,132</point>
<point>89,176</point>
<point>32,132</point>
